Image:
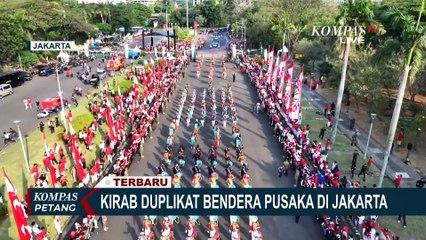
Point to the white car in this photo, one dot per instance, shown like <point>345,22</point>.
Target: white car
<point>43,114</point>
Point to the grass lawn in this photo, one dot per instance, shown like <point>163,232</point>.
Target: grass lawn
<point>12,161</point>
<point>341,152</point>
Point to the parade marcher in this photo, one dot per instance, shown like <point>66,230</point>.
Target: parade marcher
<point>398,181</point>
<point>41,126</point>
<point>363,171</point>
<point>322,132</point>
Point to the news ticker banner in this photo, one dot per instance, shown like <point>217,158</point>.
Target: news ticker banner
<point>153,196</point>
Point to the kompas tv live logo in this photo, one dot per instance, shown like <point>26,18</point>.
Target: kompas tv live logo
<point>353,34</point>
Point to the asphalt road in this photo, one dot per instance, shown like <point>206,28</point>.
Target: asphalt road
<point>39,88</point>
<point>263,151</point>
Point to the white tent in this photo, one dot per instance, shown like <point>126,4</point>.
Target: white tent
<point>136,49</point>
<point>63,57</point>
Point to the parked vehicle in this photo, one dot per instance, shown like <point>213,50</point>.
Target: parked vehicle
<point>14,78</point>
<point>53,104</point>
<point>43,114</point>
<point>5,90</point>
<point>26,75</point>
<point>45,70</point>
<point>94,80</point>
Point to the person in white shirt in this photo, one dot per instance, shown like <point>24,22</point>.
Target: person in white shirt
<point>58,224</point>
<point>35,229</point>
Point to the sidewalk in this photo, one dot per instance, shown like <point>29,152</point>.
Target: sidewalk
<point>376,149</point>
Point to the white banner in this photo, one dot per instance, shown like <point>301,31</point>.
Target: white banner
<point>52,46</point>
<point>135,182</point>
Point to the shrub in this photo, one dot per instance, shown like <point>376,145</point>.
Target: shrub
<point>3,209</point>
<point>82,121</point>
<point>125,85</point>
<point>29,58</point>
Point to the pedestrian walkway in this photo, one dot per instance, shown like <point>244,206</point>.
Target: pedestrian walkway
<point>376,149</point>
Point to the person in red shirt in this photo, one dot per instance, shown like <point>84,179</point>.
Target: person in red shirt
<point>369,162</point>
<point>400,137</point>
<point>398,181</point>
<point>34,172</point>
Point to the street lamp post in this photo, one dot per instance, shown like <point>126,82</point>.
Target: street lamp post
<point>17,122</point>
<point>62,102</point>
<point>372,117</point>
<point>187,13</point>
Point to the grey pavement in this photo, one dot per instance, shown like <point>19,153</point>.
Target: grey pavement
<point>376,149</point>
<point>39,88</point>
<point>263,151</point>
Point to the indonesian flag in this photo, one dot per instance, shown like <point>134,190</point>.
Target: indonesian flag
<point>110,121</point>
<point>295,105</point>
<point>384,233</point>
<point>81,174</point>
<point>282,74</point>
<point>275,74</point>
<point>288,84</point>
<point>57,148</point>
<point>195,27</point>
<point>163,65</point>
<point>120,105</point>
<point>165,27</point>
<point>18,210</point>
<point>271,65</point>
<point>53,175</point>
<point>46,147</point>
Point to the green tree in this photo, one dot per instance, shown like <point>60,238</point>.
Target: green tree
<point>354,14</point>
<point>312,50</point>
<point>140,13</point>
<point>213,12</point>
<point>12,38</point>
<point>411,46</point>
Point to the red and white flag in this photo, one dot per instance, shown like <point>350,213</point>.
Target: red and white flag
<point>288,85</point>
<point>18,210</point>
<point>52,172</point>
<point>295,105</point>
<point>281,75</point>
<point>57,148</point>
<point>275,74</point>
<point>271,65</point>
<point>46,147</point>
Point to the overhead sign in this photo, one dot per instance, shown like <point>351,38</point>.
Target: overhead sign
<point>52,46</point>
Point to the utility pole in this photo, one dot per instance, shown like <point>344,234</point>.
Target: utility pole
<point>27,163</point>
<point>167,21</point>
<point>341,90</point>
<point>64,119</point>
<point>187,13</point>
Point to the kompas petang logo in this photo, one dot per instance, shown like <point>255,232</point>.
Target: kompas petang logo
<point>353,34</point>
